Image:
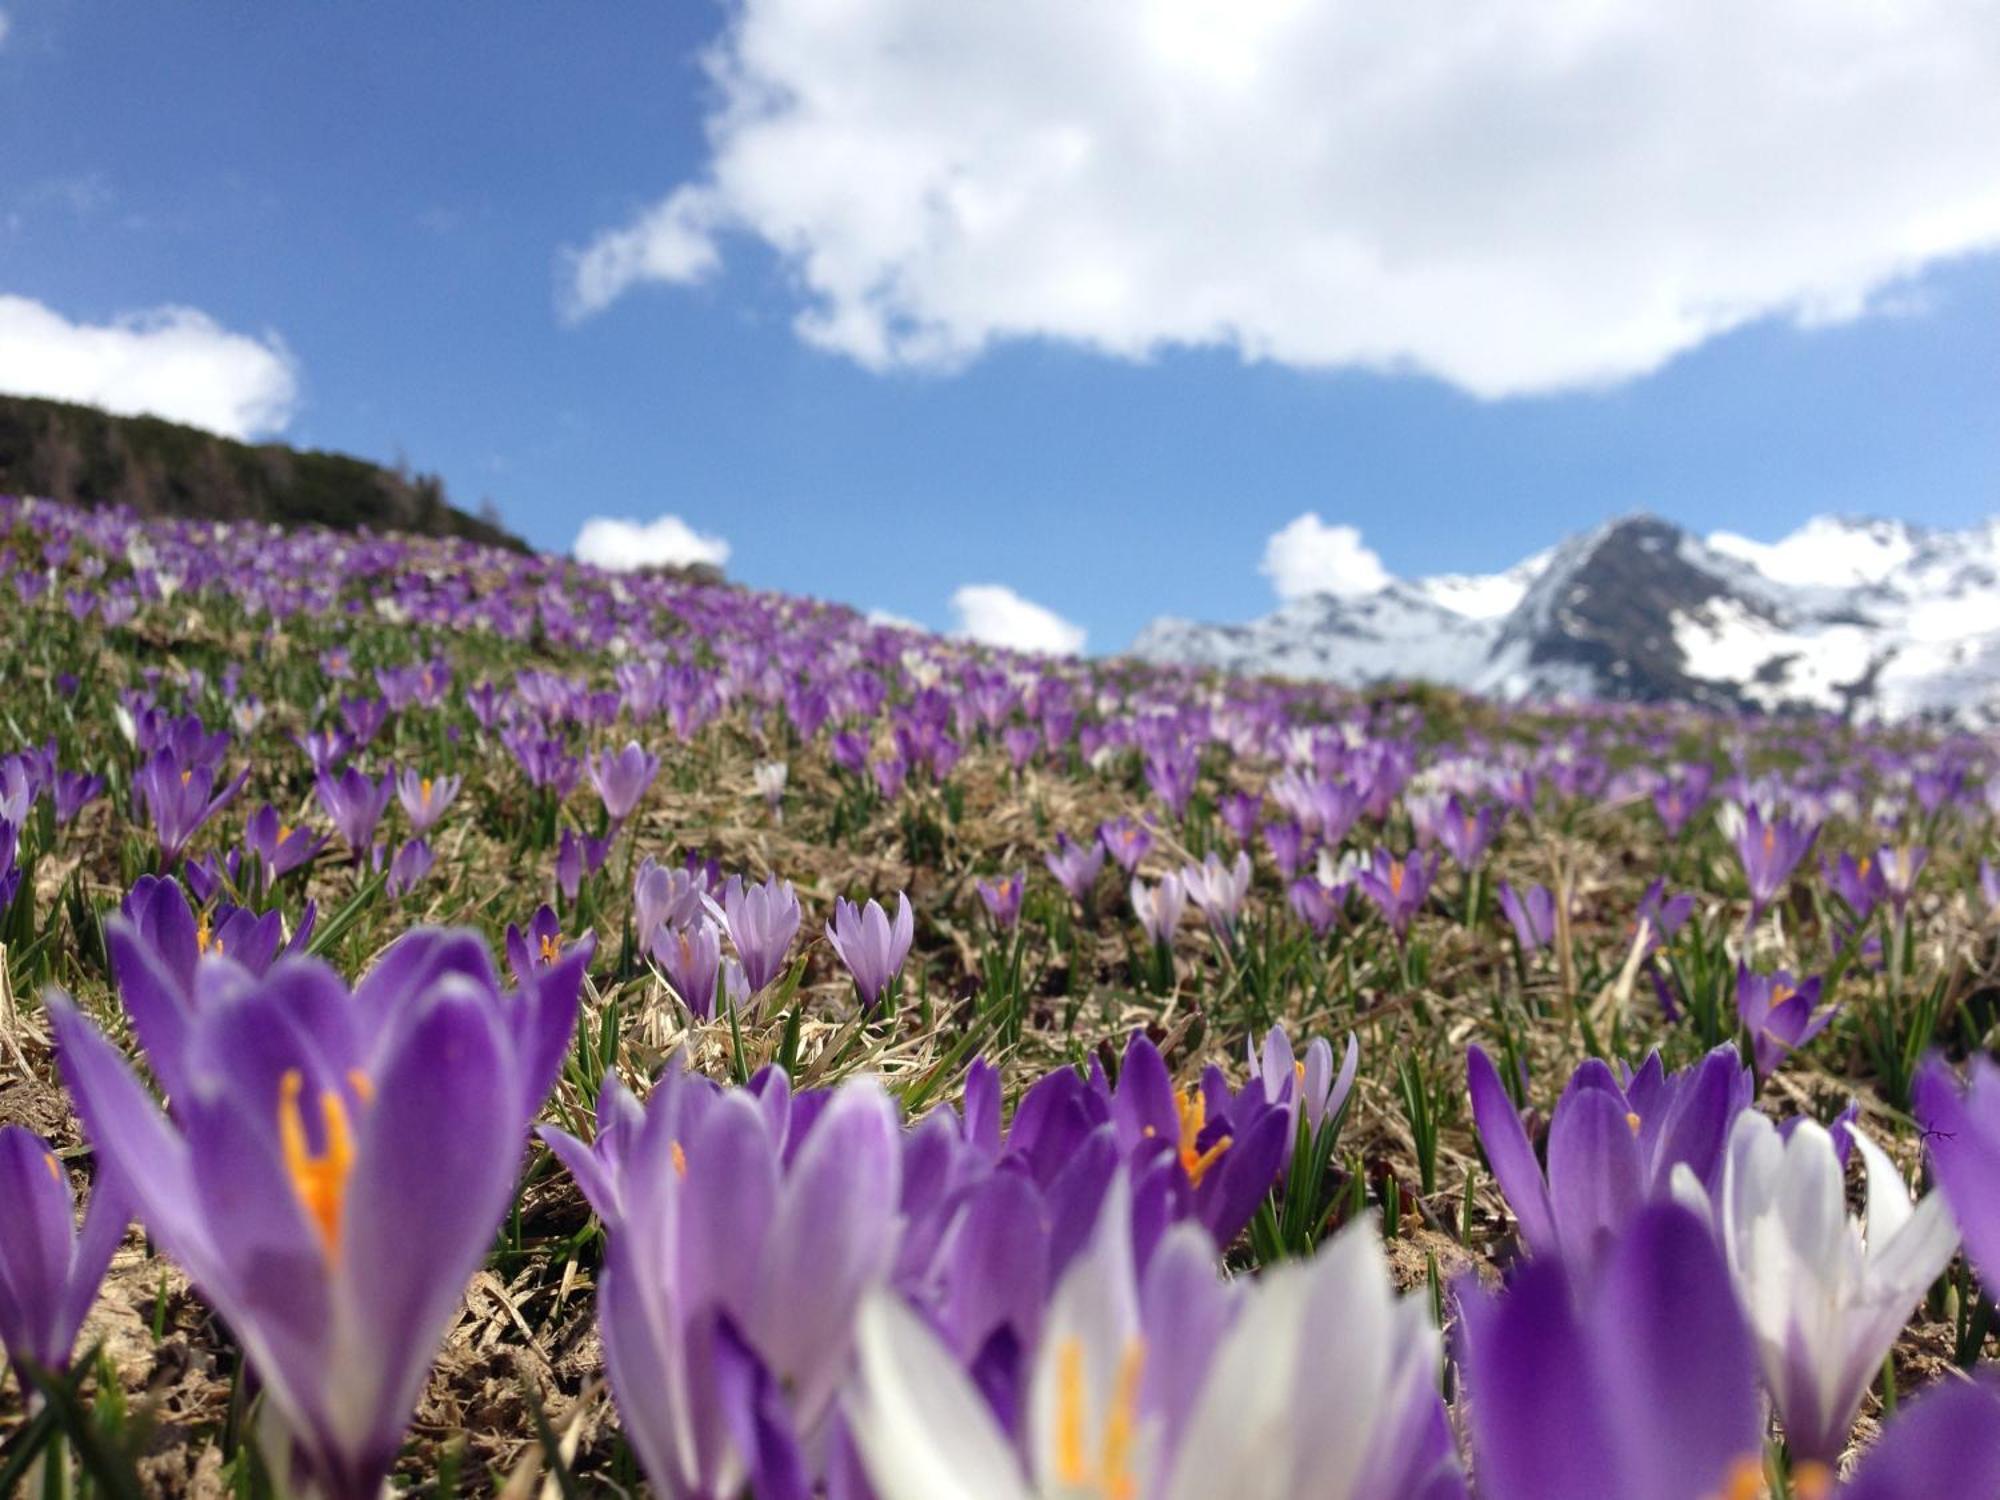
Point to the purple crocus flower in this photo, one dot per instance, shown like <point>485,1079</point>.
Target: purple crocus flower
<point>743,1237</point>
<point>286,1183</point>
<point>1962,1135</point>
<point>74,791</point>
<point>1305,1085</point>
<point>1662,914</point>
<point>406,871</point>
<point>1125,841</point>
<point>1288,844</point>
<point>1779,1014</point>
<point>1858,883</point>
<point>690,954</point>
<point>279,847</point>
<point>761,920</point>
<point>1532,915</point>
<point>355,802</point>
<point>870,945</point>
<point>1770,850</point>
<point>1240,811</point>
<point>666,896</point>
<point>621,779</point>
<point>1398,887</point>
<point>1465,833</point>
<point>1318,906</point>
<point>425,798</point>
<point>49,1272</point>
<point>180,797</point>
<point>1612,1146</point>
<point>1639,1381</point>
<point>1001,897</point>
<point>1075,866</point>
<point>1213,1169</point>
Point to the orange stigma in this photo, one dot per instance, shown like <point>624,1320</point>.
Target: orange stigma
<point>680,1162</point>
<point>549,951</point>
<point>55,1171</point>
<point>1193,1110</point>
<point>320,1182</point>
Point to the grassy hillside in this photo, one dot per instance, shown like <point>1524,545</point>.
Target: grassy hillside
<point>160,468</point>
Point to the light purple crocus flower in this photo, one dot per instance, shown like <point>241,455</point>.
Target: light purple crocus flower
<point>333,1170</point>
<point>1219,890</point>
<point>1639,1381</point>
<point>1001,897</point>
<point>690,955</point>
<point>1612,1146</point>
<point>621,779</point>
<point>1532,915</point>
<point>355,802</point>
<point>1125,841</point>
<point>425,798</point>
<point>870,944</point>
<point>1075,866</point>
<point>1159,907</point>
<point>743,1237</point>
<point>49,1272</point>
<point>1779,1014</point>
<point>1305,1085</point>
<point>1770,850</point>
<point>406,871</point>
<point>761,920</point>
<point>1900,865</point>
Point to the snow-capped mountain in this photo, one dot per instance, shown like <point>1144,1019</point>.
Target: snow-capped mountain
<point>1865,618</point>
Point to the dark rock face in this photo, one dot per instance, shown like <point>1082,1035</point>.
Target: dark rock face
<point>1610,613</point>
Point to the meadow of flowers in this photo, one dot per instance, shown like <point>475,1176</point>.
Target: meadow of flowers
<point>478,1025</point>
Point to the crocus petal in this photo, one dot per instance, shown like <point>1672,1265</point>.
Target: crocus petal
<point>922,1430</point>
<point>1509,1154</point>
<point>1947,1442</point>
<point>436,1156</point>
<point>1529,1376</point>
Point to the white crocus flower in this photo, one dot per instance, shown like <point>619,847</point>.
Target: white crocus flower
<point>1826,1294</point>
<point>1324,1383</point>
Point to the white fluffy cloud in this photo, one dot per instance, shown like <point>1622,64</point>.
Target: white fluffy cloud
<point>1307,556</point>
<point>667,541</point>
<point>1516,198</point>
<point>994,615</point>
<point>171,362</point>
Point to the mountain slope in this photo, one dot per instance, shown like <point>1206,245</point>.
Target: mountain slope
<point>160,468</point>
<point>1864,618</point>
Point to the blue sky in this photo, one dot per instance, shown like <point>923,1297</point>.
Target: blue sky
<point>398,201</point>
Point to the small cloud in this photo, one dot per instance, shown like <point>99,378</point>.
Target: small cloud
<point>994,615</point>
<point>5,26</point>
<point>172,362</point>
<point>892,621</point>
<point>673,241</point>
<point>620,545</point>
<point>1308,556</point>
